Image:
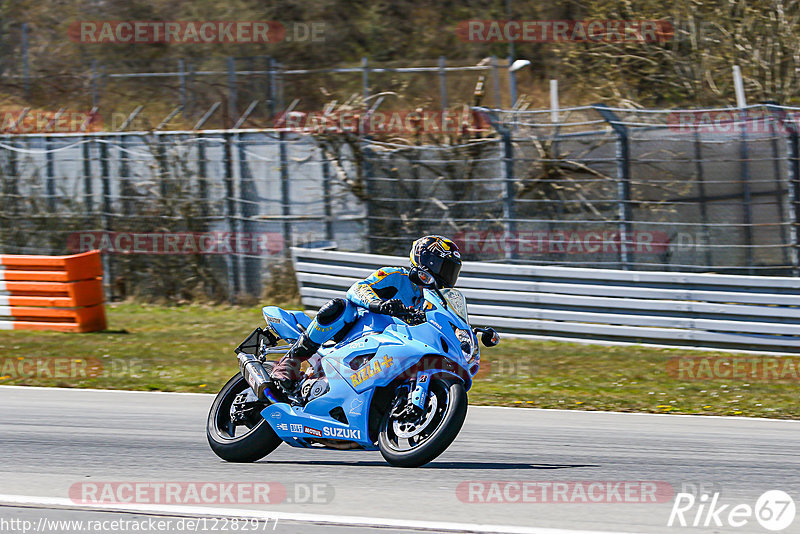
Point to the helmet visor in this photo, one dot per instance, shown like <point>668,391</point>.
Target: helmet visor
<point>445,269</point>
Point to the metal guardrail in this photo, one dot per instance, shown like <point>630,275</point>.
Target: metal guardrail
<point>708,310</point>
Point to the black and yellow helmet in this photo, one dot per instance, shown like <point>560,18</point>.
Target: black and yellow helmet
<point>439,256</point>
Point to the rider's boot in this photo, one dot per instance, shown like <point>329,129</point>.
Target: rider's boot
<point>287,371</point>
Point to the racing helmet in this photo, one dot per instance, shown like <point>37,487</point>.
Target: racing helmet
<point>438,256</point>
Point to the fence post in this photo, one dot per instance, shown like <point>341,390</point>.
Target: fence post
<point>746,193</point>
<point>230,216</point>
<point>554,116</point>
<point>624,212</point>
<point>367,153</point>
<point>498,103</point>
<point>26,73</point>
<point>365,77</point>
<point>794,193</point>
<point>701,187</point>
<point>326,196</point>
<point>776,174</point>
<point>190,100</point>
<point>279,87</point>
<point>124,174</point>
<point>509,195</point>
<point>512,83</point>
<point>232,104</point>
<point>509,211</point>
<point>106,218</point>
<point>202,181</point>
<point>182,82</point>
<point>95,82</point>
<point>50,172</point>
<point>87,176</point>
<point>792,180</point>
<point>249,209</point>
<point>14,203</point>
<point>271,86</point>
<point>163,183</point>
<point>285,194</point>
<point>443,82</point>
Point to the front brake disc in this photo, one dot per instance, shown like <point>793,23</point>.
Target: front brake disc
<point>409,429</point>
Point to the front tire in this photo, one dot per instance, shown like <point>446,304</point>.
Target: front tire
<point>414,441</point>
<point>258,439</point>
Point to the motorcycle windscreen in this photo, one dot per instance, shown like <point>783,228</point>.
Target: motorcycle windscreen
<point>457,301</point>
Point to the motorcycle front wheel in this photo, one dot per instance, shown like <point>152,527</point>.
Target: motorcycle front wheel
<point>412,439</point>
<point>243,437</point>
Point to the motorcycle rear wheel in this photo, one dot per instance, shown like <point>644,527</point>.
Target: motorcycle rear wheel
<point>256,442</point>
<point>412,441</point>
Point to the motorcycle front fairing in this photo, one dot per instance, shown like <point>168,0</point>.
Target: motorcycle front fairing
<point>377,350</point>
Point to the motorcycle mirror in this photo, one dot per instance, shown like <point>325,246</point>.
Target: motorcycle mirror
<point>490,337</point>
<point>421,277</point>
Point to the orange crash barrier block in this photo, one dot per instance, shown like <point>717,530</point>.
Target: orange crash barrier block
<point>63,293</point>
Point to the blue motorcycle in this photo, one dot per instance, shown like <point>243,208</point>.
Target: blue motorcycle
<point>398,385</point>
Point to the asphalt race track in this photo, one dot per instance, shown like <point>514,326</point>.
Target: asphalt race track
<point>56,439</point>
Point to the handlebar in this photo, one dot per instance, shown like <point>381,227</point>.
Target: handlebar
<point>412,316</point>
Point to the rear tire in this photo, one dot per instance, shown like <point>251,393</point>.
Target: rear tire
<point>258,441</point>
<point>446,423</point>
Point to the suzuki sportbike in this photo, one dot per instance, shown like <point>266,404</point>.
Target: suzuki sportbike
<point>398,385</point>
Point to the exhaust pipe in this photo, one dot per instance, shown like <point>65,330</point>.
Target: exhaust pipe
<point>254,373</point>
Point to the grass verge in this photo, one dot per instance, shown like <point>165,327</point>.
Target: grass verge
<point>190,348</point>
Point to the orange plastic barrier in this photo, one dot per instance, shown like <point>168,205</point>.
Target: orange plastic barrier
<point>62,293</point>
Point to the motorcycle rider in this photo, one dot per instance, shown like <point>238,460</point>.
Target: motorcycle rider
<point>388,291</point>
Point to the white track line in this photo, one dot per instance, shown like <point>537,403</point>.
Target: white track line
<point>264,515</point>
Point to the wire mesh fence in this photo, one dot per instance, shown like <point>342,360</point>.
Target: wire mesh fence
<point>214,212</point>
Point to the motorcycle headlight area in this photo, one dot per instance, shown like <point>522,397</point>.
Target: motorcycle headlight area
<point>468,345</point>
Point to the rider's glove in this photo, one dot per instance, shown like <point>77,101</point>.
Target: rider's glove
<point>415,316</point>
<point>393,307</point>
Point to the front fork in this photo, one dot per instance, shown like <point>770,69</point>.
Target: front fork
<point>419,396</point>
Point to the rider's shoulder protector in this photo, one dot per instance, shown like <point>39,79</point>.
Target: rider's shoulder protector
<point>384,284</point>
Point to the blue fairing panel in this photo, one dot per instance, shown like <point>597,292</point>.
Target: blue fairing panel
<point>287,324</point>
